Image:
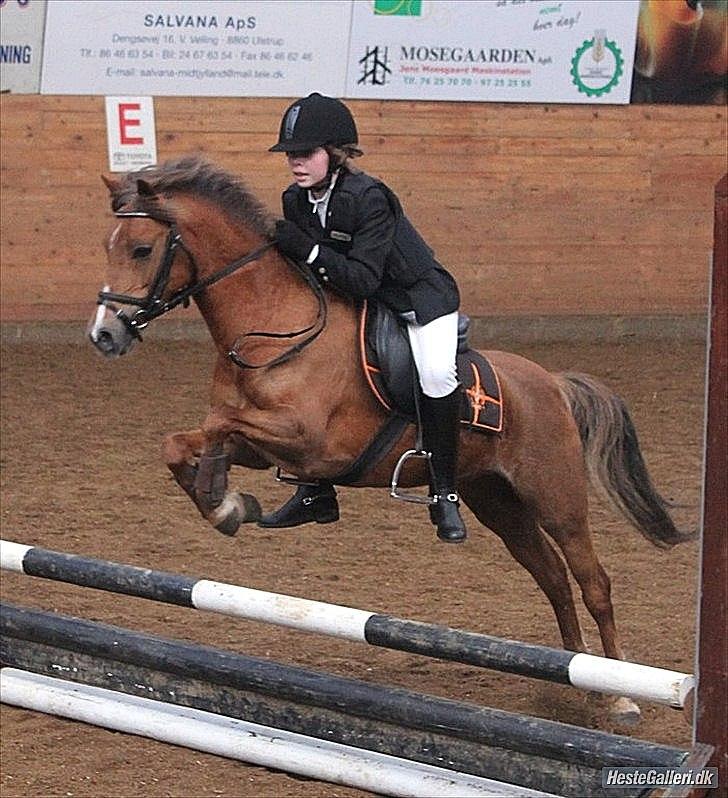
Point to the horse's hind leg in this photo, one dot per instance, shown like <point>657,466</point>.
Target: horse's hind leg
<point>498,507</point>
<point>203,476</point>
<point>574,539</point>
<point>516,525</point>
<point>576,544</point>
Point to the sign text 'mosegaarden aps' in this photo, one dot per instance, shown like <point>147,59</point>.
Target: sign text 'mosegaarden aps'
<point>501,55</point>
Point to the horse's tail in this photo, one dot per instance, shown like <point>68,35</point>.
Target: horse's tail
<point>614,460</point>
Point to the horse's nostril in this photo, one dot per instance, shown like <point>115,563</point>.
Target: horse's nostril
<point>103,341</point>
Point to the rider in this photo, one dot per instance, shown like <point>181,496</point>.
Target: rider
<point>351,231</point>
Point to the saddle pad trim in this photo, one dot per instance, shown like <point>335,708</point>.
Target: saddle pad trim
<point>366,366</point>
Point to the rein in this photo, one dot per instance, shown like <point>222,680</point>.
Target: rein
<point>317,327</point>
<point>152,306</point>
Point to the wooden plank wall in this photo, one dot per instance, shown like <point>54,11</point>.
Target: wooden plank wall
<point>538,210</point>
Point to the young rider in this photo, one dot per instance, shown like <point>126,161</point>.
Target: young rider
<point>351,231</point>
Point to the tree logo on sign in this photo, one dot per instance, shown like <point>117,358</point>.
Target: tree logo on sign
<point>375,66</point>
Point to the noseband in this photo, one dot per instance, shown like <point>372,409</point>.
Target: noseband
<point>152,306</point>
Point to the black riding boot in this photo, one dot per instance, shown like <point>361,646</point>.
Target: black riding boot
<point>309,503</point>
<point>441,433</point>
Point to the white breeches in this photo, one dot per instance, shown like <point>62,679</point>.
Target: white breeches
<point>434,347</point>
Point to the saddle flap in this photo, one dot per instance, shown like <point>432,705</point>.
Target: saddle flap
<point>389,358</point>
<point>390,371</point>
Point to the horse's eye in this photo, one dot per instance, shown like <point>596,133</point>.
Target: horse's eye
<point>142,251</point>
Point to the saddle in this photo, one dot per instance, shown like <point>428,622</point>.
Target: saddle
<point>391,374</point>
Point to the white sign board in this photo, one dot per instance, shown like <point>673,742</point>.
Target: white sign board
<point>188,47</point>
<point>21,45</point>
<point>569,51</point>
<point>564,51</point>
<point>130,133</point>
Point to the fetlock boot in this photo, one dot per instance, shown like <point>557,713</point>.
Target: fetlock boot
<point>308,504</point>
<point>441,435</point>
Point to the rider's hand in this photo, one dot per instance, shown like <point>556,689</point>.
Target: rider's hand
<point>292,241</point>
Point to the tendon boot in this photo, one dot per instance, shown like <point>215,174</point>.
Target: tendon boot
<point>441,434</point>
<point>308,504</point>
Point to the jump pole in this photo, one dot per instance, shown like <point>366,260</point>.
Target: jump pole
<point>242,740</point>
<point>467,738</point>
<point>583,671</point>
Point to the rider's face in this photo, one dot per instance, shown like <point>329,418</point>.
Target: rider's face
<point>309,168</point>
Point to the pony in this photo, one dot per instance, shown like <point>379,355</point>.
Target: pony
<point>288,391</point>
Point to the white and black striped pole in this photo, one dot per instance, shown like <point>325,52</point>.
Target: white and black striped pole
<point>584,671</point>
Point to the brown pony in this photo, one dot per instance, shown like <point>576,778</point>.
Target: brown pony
<point>187,229</point>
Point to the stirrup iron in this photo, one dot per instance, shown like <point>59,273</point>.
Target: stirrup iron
<point>415,498</point>
<point>281,477</point>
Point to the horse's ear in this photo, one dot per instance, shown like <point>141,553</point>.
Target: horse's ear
<point>144,189</point>
<point>111,183</point>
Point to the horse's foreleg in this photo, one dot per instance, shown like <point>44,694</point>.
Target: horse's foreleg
<point>226,510</point>
<point>201,470</point>
<point>181,451</point>
<point>211,480</point>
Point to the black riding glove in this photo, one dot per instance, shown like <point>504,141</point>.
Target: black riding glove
<point>292,241</point>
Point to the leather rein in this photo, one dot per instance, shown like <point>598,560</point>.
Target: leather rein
<point>152,306</point>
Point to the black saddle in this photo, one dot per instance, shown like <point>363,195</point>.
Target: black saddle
<point>390,370</point>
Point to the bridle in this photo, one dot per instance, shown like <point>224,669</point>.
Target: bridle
<point>153,305</point>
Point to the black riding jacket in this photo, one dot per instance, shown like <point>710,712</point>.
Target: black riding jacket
<point>368,248</point>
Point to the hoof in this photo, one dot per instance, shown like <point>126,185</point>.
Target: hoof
<point>625,712</point>
<point>236,509</point>
<point>251,511</point>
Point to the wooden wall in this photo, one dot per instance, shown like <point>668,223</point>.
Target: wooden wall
<point>538,210</point>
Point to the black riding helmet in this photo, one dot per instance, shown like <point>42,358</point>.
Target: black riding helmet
<point>315,121</point>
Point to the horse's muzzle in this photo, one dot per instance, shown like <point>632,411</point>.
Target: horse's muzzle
<point>109,334</point>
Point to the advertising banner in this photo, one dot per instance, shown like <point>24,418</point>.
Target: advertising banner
<point>21,45</point>
<point>682,52</point>
<point>217,48</point>
<point>558,51</point>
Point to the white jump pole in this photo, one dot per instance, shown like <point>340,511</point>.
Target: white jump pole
<point>248,742</point>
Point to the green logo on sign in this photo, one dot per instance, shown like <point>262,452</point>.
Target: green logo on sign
<point>398,8</point>
<point>597,66</point>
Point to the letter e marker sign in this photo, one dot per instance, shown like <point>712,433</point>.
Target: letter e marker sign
<point>130,133</point>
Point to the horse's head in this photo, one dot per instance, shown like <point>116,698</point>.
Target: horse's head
<point>147,264</point>
<point>150,267</point>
